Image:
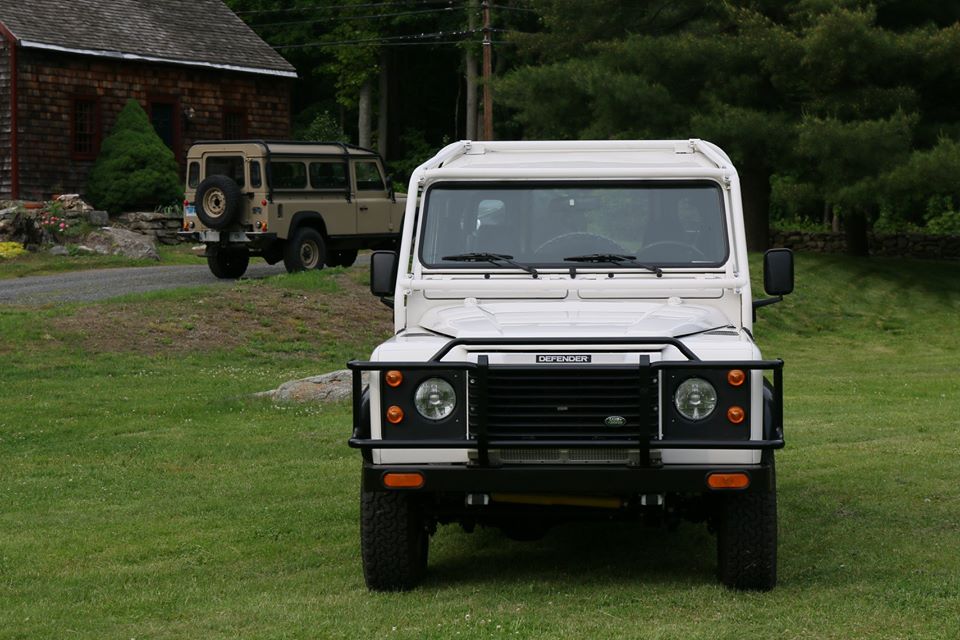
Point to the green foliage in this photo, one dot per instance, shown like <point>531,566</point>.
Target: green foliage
<point>135,169</point>
<point>323,127</point>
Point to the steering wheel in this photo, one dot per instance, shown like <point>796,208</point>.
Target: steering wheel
<point>661,255</point>
<point>576,243</point>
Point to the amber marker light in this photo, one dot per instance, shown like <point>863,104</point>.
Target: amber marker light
<point>403,480</point>
<point>393,378</point>
<point>736,415</point>
<point>728,481</point>
<point>394,414</point>
<point>736,377</point>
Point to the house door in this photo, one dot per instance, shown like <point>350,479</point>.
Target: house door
<point>163,117</point>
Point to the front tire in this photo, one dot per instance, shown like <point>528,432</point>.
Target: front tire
<point>228,264</point>
<point>394,540</point>
<point>305,250</point>
<point>747,540</point>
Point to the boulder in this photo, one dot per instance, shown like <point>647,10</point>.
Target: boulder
<point>329,387</point>
<point>98,218</point>
<point>120,242</point>
<point>58,250</point>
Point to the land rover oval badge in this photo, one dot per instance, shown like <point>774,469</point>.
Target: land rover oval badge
<point>615,421</point>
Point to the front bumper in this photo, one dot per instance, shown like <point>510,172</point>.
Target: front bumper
<point>456,478</point>
<point>481,440</point>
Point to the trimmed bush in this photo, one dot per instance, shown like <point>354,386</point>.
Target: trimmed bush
<point>135,169</point>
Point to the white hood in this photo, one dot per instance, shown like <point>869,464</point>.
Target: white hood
<point>472,319</point>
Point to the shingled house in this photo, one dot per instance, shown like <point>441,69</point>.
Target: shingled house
<point>67,67</point>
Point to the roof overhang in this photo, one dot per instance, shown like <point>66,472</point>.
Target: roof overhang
<point>135,57</point>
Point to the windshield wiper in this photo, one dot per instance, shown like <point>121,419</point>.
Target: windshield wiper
<point>616,259</point>
<point>492,258</point>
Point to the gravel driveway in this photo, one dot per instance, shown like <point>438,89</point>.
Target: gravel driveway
<point>108,283</point>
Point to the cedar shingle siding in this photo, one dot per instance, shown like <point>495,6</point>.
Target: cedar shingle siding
<point>189,62</point>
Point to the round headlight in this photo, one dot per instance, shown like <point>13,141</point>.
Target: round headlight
<point>435,399</point>
<point>695,399</point>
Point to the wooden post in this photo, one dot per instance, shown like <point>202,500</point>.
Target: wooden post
<point>487,74</point>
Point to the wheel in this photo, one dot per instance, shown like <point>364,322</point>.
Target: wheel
<point>394,540</point>
<point>218,201</point>
<point>341,258</point>
<point>305,250</point>
<point>666,251</point>
<point>228,264</point>
<point>747,540</point>
<point>574,244</point>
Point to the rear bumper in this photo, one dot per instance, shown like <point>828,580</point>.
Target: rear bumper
<point>567,478</point>
<point>250,238</point>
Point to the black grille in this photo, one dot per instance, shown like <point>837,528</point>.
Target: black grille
<point>530,403</point>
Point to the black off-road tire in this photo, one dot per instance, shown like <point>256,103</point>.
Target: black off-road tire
<point>747,540</point>
<point>218,202</point>
<point>305,250</point>
<point>228,264</point>
<point>394,540</point>
<point>341,258</point>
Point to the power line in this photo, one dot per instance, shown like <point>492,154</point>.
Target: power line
<point>339,18</point>
<point>380,40</point>
<point>367,5</point>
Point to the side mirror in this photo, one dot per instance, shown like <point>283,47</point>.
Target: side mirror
<point>383,273</point>
<point>778,272</point>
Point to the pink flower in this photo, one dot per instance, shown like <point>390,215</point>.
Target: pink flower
<point>63,226</point>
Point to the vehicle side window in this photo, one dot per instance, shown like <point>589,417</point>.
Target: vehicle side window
<point>230,166</point>
<point>368,177</point>
<point>193,175</point>
<point>255,178</point>
<point>289,175</point>
<point>328,175</point>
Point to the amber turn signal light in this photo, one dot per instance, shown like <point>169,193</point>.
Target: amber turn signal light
<point>393,378</point>
<point>736,415</point>
<point>394,414</point>
<point>736,377</point>
<point>728,481</point>
<point>403,480</point>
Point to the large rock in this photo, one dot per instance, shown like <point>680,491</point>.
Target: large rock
<point>98,218</point>
<point>120,242</point>
<point>329,387</point>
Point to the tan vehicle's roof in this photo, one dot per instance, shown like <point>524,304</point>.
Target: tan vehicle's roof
<point>279,147</point>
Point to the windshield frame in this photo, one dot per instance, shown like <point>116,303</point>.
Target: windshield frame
<point>421,228</point>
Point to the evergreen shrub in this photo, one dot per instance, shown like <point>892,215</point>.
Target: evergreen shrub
<point>135,169</point>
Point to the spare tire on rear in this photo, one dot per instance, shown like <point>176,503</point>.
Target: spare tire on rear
<point>218,201</point>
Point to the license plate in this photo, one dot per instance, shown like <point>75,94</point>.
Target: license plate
<point>190,210</point>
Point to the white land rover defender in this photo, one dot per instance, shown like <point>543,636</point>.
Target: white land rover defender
<point>573,340</point>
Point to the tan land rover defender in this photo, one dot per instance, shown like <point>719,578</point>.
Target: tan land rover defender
<point>309,204</point>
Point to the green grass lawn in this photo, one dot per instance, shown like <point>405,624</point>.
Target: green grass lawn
<point>145,495</point>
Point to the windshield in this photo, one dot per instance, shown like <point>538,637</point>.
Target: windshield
<point>662,224</point>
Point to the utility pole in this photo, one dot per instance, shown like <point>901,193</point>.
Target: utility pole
<point>487,74</point>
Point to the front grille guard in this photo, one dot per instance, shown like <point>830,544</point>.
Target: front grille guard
<point>482,443</point>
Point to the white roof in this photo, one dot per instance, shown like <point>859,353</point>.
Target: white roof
<point>579,159</point>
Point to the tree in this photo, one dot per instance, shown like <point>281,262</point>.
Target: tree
<point>135,169</point>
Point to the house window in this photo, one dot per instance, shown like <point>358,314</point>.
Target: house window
<point>86,128</point>
<point>234,124</point>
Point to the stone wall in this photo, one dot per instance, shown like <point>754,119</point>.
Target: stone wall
<point>162,226</point>
<point>908,245</point>
<point>50,82</point>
